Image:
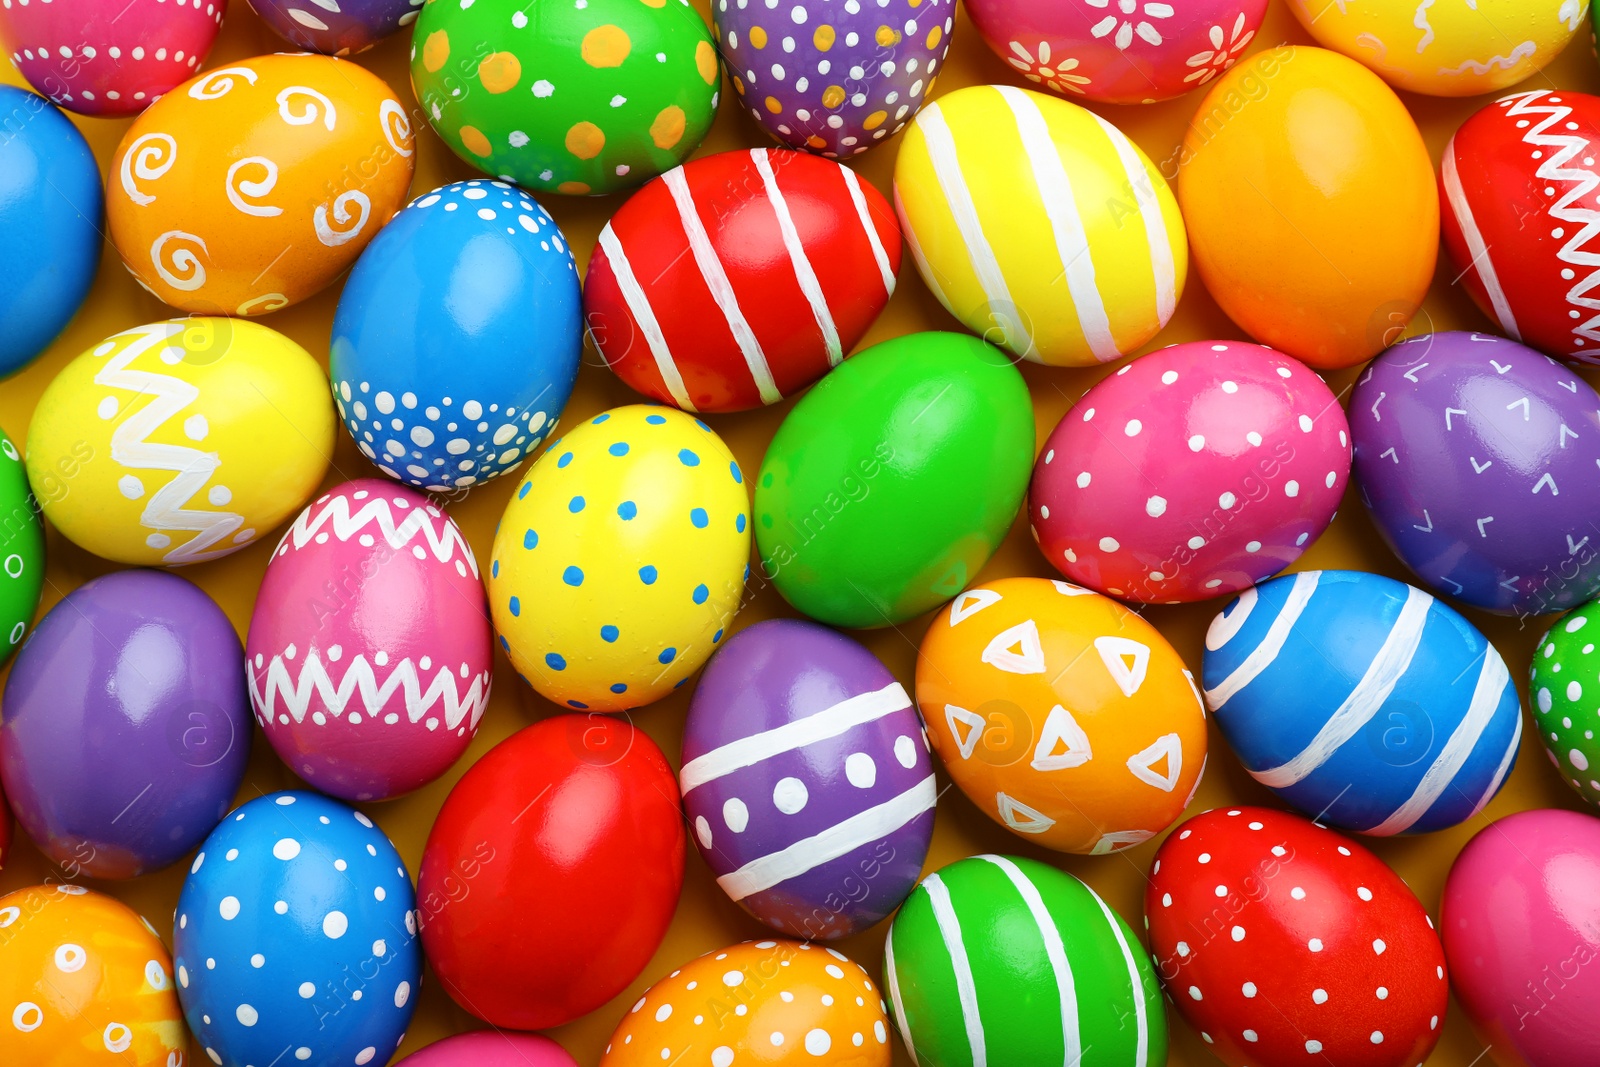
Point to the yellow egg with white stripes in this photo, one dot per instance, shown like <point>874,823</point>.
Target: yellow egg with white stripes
<point>1039,225</point>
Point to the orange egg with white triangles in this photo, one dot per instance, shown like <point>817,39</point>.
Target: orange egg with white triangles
<point>1063,715</point>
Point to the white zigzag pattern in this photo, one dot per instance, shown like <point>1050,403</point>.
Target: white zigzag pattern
<point>375,517</point>
<point>361,680</point>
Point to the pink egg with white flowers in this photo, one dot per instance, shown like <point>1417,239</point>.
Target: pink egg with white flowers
<point>1193,472</point>
<point>370,649</point>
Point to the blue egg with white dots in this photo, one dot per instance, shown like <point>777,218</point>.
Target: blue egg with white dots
<point>295,939</point>
<point>458,336</point>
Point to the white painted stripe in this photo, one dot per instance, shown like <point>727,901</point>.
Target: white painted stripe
<point>864,213</point>
<point>1155,223</point>
<point>901,1023</point>
<point>1492,681</point>
<point>1066,225</point>
<point>1261,657</point>
<point>930,277</point>
<point>716,279</point>
<point>829,722</point>
<point>1055,951</point>
<point>1382,675</point>
<point>797,257</point>
<point>1457,197</point>
<point>1141,1056</point>
<point>639,306</point>
<point>1504,768</point>
<point>944,913</point>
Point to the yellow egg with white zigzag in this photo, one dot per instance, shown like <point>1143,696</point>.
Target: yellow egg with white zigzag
<point>180,441</point>
<point>1039,225</point>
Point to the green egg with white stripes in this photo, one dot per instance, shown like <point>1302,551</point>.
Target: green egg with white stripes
<point>999,961</point>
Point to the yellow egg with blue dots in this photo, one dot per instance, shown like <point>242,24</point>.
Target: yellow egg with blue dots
<point>621,559</point>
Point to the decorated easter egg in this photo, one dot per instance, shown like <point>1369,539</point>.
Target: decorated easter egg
<point>1193,472</point>
<point>1409,722</point>
<point>1451,49</point>
<point>491,1048</point>
<point>254,185</point>
<point>108,57</point>
<point>890,484</point>
<point>1039,225</point>
<point>621,559</point>
<point>769,1002</point>
<point>335,29</point>
<point>1476,458</point>
<point>1274,248</point>
<point>1284,943</point>
<point>21,550</point>
<point>180,441</point>
<point>835,80</point>
<point>378,688</point>
<point>582,99</point>
<point>552,872</point>
<point>86,983</point>
<point>1521,925</point>
<point>1125,53</point>
<point>806,780</point>
<point>292,906</point>
<point>722,287</point>
<point>479,270</point>
<point>1064,716</point>
<point>113,769</point>
<point>1563,688</point>
<point>52,208</point>
<point>1015,944</point>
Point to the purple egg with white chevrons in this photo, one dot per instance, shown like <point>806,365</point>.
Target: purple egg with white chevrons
<point>336,29</point>
<point>1479,460</point>
<point>807,780</point>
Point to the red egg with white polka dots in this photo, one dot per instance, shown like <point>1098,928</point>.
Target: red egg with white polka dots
<point>1284,943</point>
<point>1194,472</point>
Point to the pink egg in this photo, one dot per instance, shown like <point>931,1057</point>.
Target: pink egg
<point>1191,473</point>
<point>108,57</point>
<point>491,1048</point>
<point>369,650</point>
<point>1119,51</point>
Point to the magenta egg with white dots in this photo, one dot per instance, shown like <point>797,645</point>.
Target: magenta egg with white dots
<point>1191,473</point>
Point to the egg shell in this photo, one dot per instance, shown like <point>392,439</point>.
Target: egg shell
<point>1562,687</point>
<point>1270,221</point>
<point>21,550</point>
<point>115,772</point>
<point>479,270</point>
<point>1446,49</point>
<point>569,840</point>
<point>806,780</point>
<point>369,653</point>
<point>740,278</point>
<point>1123,53</point>
<point>1407,723</point>
<point>1193,472</point>
<point>769,1002</point>
<point>1521,926</point>
<point>87,982</point>
<point>491,1048</point>
<point>1507,235</point>
<point>347,27</point>
<point>829,78</point>
<point>254,185</point>
<point>108,57</point>
<point>1475,457</point>
<point>1029,950</point>
<point>296,930</point>
<point>180,441</point>
<point>1039,225</point>
<point>1284,943</point>
<point>891,483</point>
<point>51,217</point>
<point>580,99</point>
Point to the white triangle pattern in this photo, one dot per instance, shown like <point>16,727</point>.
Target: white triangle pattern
<point>1029,655</point>
<point>1020,817</point>
<point>974,723</point>
<point>1068,589</point>
<point>1142,763</point>
<point>970,603</point>
<point>1114,653</point>
<point>1061,730</point>
<point>1117,840</point>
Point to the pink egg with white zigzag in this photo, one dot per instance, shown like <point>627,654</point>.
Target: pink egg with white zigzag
<point>370,648</point>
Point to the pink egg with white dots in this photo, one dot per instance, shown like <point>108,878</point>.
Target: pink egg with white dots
<point>1191,473</point>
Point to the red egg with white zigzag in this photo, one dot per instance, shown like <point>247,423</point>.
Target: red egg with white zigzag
<point>1518,185</point>
<point>740,278</point>
<point>370,650</point>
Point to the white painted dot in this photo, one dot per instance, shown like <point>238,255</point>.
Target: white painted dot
<point>228,908</point>
<point>1197,442</point>
<point>860,771</point>
<point>286,849</point>
<point>1133,427</point>
<point>818,1042</point>
<point>1248,989</point>
<point>246,1015</point>
<point>1319,996</point>
<point>1155,507</point>
<point>334,924</point>
<point>905,751</point>
<point>735,814</point>
<point>789,795</point>
<point>1227,500</point>
<point>1109,544</point>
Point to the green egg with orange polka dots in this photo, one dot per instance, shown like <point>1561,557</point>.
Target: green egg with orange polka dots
<point>567,96</point>
<point>1565,693</point>
<point>621,559</point>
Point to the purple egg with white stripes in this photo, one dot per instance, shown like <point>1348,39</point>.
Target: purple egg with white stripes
<point>807,780</point>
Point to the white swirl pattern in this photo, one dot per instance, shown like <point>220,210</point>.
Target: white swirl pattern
<point>184,259</point>
<point>238,188</point>
<point>217,82</point>
<point>342,215</point>
<point>396,126</point>
<point>311,112</point>
<point>147,159</point>
<point>260,305</point>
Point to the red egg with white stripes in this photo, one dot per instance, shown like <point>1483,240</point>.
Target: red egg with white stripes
<point>739,279</point>
<point>1284,943</point>
<point>1517,186</point>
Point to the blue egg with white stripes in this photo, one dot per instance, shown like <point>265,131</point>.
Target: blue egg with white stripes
<point>1362,701</point>
<point>458,336</point>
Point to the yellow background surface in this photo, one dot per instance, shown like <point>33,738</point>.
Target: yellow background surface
<point>706,919</point>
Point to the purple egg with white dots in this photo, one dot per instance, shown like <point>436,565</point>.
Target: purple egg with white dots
<point>295,938</point>
<point>336,29</point>
<point>807,780</point>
